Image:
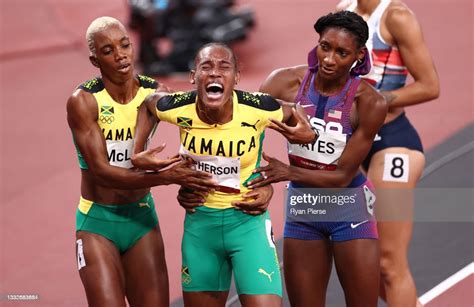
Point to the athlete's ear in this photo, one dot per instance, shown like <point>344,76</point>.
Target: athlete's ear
<point>192,75</point>
<point>237,77</point>
<point>94,61</point>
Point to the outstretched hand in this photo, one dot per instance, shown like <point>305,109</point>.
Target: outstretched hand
<point>185,175</point>
<point>275,171</point>
<point>147,159</point>
<point>301,133</point>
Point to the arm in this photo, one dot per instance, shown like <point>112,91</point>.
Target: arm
<point>82,119</point>
<point>146,121</point>
<point>402,25</point>
<point>283,85</point>
<point>372,110</point>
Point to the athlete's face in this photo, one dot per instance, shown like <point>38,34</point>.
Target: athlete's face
<point>114,53</point>
<point>215,76</point>
<point>337,51</point>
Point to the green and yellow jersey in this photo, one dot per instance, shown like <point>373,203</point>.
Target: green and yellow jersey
<point>117,121</point>
<point>230,152</point>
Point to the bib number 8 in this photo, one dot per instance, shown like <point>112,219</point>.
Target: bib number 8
<point>396,167</point>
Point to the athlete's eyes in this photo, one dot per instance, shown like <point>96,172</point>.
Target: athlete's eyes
<point>324,47</point>
<point>226,66</point>
<point>343,54</point>
<point>107,51</point>
<point>126,46</point>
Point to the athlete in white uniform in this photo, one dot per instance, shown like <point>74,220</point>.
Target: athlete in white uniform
<point>396,161</point>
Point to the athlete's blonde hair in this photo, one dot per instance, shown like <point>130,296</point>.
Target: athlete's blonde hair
<point>97,25</point>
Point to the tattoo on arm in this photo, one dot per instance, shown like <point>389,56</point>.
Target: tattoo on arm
<point>389,97</point>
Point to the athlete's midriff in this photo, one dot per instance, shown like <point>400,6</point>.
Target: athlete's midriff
<point>93,191</point>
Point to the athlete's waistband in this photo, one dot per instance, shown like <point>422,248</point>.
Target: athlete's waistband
<point>358,180</point>
<point>400,122</point>
<point>146,201</point>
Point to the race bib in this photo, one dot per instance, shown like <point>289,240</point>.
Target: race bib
<point>326,150</point>
<point>119,153</point>
<point>225,171</point>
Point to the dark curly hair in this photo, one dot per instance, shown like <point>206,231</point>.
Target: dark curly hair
<point>346,20</point>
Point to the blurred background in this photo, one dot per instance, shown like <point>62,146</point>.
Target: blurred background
<point>43,57</point>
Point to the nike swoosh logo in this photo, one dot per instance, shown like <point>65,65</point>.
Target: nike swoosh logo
<point>358,224</point>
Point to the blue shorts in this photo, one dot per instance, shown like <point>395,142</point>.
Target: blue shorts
<point>397,133</point>
<point>350,222</point>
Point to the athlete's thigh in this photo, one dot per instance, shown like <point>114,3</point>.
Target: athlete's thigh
<point>307,267</point>
<point>395,196</point>
<point>205,265</point>
<point>357,265</point>
<point>396,167</point>
<point>205,298</point>
<point>265,300</point>
<point>254,257</point>
<point>100,269</point>
<point>145,271</point>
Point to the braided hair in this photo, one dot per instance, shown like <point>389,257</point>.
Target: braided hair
<point>349,21</point>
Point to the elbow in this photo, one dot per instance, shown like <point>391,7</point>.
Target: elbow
<point>101,176</point>
<point>343,180</point>
<point>432,91</point>
<point>435,92</point>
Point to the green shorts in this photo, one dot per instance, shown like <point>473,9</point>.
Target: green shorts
<point>124,225</point>
<point>217,242</point>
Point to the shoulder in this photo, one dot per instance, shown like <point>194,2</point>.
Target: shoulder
<point>343,5</point>
<point>169,101</point>
<point>399,15</point>
<point>287,74</point>
<point>283,83</point>
<point>94,85</point>
<point>81,107</point>
<point>147,82</point>
<point>261,101</point>
<point>369,98</point>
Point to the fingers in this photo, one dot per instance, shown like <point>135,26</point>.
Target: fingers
<point>279,124</point>
<point>259,182</point>
<point>258,212</point>
<point>300,115</point>
<point>276,128</point>
<point>168,162</point>
<point>251,194</point>
<point>190,204</point>
<point>254,181</point>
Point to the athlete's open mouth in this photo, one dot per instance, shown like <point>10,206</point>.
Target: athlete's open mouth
<point>214,90</point>
<point>123,67</point>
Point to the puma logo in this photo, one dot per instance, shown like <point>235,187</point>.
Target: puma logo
<point>262,271</point>
<point>254,126</point>
<point>144,205</point>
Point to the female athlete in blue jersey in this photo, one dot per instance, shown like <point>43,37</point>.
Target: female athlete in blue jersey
<point>347,113</point>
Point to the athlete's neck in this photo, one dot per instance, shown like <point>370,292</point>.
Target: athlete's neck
<point>329,87</point>
<point>365,8</point>
<point>214,116</point>
<point>122,91</point>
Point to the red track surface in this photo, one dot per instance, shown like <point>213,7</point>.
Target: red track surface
<point>43,57</point>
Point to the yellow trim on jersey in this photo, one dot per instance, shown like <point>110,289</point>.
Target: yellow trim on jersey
<point>85,205</point>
